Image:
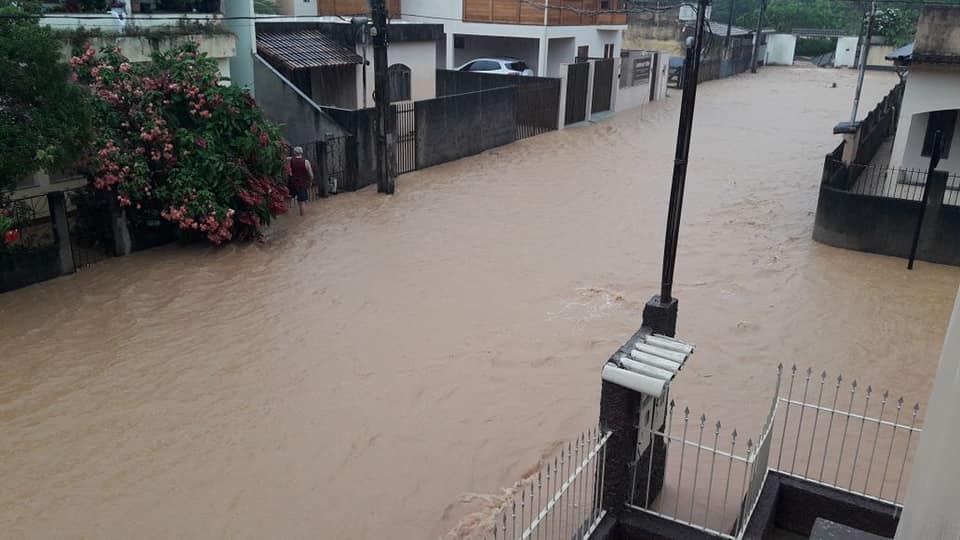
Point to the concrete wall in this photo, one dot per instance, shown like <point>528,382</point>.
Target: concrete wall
<point>938,32</point>
<point>930,510</point>
<point>527,49</point>
<point>560,51</point>
<point>435,10</point>
<point>845,55</point>
<point>780,49</point>
<point>336,86</point>
<point>453,127</point>
<point>876,56</point>
<point>633,96</point>
<point>419,56</point>
<point>297,8</point>
<point>301,120</point>
<point>886,226</point>
<point>929,88</point>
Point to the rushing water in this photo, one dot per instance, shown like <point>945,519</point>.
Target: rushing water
<point>387,366</point>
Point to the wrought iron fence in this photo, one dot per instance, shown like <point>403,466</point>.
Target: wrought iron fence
<point>708,484</point>
<point>405,129</point>
<point>88,219</point>
<point>883,181</point>
<point>834,441</point>
<point>564,499</point>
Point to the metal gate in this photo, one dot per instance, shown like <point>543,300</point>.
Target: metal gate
<point>578,77</point>
<point>88,219</point>
<point>602,85</point>
<point>537,108</point>
<point>405,130</point>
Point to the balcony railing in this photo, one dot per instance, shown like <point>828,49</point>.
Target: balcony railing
<point>134,6</point>
<point>558,12</point>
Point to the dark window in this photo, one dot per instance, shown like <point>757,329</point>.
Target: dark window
<point>608,50</point>
<point>583,53</point>
<point>604,4</point>
<point>459,42</point>
<point>517,66</point>
<point>399,75</point>
<point>484,65</point>
<point>945,122</point>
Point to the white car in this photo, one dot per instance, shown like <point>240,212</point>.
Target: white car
<point>503,65</point>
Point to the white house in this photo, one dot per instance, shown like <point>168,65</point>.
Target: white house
<point>543,34</point>
<point>331,60</point>
<point>931,99</point>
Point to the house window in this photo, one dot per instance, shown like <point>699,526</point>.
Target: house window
<point>605,4</point>
<point>608,50</point>
<point>583,53</point>
<point>399,76</point>
<point>945,122</point>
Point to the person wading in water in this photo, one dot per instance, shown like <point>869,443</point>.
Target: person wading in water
<point>301,177</point>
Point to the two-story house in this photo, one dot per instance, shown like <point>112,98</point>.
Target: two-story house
<point>543,33</point>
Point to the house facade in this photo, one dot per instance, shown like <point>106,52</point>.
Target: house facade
<point>931,99</point>
<point>331,60</point>
<point>545,36</point>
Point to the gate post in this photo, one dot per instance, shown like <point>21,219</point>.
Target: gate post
<point>57,204</point>
<point>122,245</point>
<point>591,74</point>
<point>562,105</point>
<point>323,167</point>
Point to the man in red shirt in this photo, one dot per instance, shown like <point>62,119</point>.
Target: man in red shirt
<point>301,177</point>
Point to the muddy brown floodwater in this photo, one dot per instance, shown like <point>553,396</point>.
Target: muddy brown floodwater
<point>387,366</point>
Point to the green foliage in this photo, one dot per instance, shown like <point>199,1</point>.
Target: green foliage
<point>44,118</point>
<point>898,25</point>
<point>785,15</point>
<point>815,47</point>
<point>171,140</point>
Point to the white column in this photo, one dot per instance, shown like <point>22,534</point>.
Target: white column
<point>542,57</point>
<point>933,497</point>
<point>593,73</point>
<point>449,55</point>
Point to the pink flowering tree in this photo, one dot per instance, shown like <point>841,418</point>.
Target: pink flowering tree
<point>169,137</point>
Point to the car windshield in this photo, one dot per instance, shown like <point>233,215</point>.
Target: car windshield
<point>516,66</point>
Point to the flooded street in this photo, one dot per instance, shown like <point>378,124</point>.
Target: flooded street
<point>386,367</point>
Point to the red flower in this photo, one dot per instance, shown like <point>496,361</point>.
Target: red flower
<point>11,236</point>
<point>201,142</point>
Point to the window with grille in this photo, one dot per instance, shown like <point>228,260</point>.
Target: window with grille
<point>945,122</point>
<point>399,76</point>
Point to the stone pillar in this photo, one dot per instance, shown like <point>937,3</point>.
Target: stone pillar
<point>239,20</point>
<point>930,510</point>
<point>122,244</point>
<point>622,411</point>
<point>450,50</point>
<point>542,56</point>
<point>562,109</point>
<point>930,229</point>
<point>57,204</point>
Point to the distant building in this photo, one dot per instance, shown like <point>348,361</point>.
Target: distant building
<point>931,100</point>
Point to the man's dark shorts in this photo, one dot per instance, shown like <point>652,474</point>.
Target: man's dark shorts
<point>302,195</point>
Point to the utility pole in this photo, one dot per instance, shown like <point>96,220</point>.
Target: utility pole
<point>381,97</point>
<point>684,132</point>
<point>756,37</point>
<point>729,23</point>
<point>864,52</point>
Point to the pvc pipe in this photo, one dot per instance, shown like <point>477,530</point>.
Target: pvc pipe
<point>648,359</point>
<point>669,343</point>
<point>633,381</point>
<point>675,356</point>
<point>644,369</point>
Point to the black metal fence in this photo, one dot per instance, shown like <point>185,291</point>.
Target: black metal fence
<point>883,181</point>
<point>538,108</point>
<point>405,131</point>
